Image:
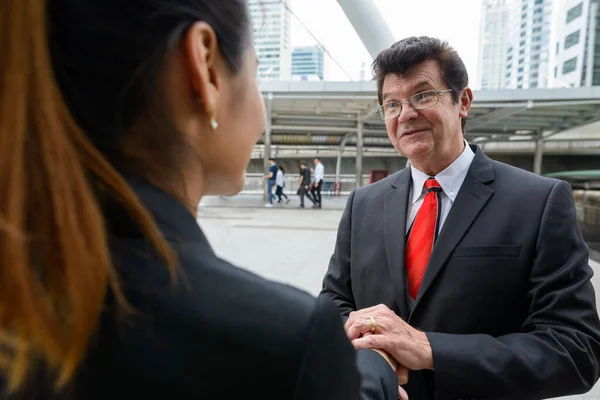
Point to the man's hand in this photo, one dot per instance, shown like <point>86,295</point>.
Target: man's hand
<point>391,360</point>
<point>409,346</point>
<point>402,395</point>
<point>401,372</point>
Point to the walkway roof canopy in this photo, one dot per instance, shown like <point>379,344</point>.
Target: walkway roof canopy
<point>313,113</point>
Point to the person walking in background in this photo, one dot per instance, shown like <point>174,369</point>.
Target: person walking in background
<point>280,182</point>
<point>304,184</point>
<point>271,178</point>
<point>318,182</point>
<point>109,287</point>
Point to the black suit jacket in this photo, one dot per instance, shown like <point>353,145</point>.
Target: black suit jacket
<point>506,300</point>
<point>221,333</point>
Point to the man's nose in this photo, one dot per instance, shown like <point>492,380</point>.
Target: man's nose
<point>407,113</point>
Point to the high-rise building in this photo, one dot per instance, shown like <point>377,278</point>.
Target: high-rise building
<point>493,44</point>
<point>272,30</point>
<point>527,63</point>
<point>577,44</point>
<point>307,63</point>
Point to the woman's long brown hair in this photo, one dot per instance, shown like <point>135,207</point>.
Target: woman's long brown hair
<point>55,264</point>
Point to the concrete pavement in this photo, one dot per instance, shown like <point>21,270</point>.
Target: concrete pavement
<point>287,244</point>
<point>256,201</point>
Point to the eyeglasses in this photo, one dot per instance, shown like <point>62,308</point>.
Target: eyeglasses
<point>419,101</point>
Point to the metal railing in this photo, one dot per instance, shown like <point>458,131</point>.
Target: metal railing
<point>587,205</point>
<point>254,184</point>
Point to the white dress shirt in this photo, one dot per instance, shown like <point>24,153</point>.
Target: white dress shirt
<point>450,179</point>
<point>319,172</point>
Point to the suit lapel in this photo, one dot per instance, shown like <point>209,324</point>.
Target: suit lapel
<point>396,204</point>
<point>471,199</point>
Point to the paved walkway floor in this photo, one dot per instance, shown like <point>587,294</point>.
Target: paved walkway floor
<point>287,244</point>
<point>256,201</point>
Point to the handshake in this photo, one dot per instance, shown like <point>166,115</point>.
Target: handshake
<point>403,347</point>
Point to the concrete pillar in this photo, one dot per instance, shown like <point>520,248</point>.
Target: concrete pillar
<point>267,141</point>
<point>538,156</point>
<point>338,166</point>
<point>359,153</point>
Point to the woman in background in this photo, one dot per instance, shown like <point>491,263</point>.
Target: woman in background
<point>280,182</point>
<point>116,118</point>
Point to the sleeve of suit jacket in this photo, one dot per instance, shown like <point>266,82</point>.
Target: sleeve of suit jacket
<point>557,352</point>
<point>329,363</point>
<point>337,282</point>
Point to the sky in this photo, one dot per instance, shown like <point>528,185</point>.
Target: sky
<point>457,22</point>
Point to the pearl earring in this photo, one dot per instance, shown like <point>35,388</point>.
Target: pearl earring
<point>213,123</point>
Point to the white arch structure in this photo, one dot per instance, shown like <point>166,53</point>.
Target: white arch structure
<point>368,24</point>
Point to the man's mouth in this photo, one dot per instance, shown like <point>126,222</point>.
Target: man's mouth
<point>411,132</point>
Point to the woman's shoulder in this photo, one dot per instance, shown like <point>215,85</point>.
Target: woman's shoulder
<point>204,279</point>
<point>255,294</point>
<point>215,325</point>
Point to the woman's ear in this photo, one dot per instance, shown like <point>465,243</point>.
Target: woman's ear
<point>201,48</point>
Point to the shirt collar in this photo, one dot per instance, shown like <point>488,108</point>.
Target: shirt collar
<point>449,179</point>
<point>418,181</point>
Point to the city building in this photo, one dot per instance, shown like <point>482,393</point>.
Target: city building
<point>576,61</point>
<point>272,30</point>
<point>527,63</point>
<point>307,63</point>
<point>493,44</point>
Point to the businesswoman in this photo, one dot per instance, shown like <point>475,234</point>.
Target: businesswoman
<point>116,118</point>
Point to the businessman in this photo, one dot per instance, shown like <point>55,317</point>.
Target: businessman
<point>471,273</point>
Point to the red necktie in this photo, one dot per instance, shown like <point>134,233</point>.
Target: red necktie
<point>422,237</point>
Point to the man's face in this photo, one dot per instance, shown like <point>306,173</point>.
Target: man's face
<point>316,161</point>
<point>424,135</point>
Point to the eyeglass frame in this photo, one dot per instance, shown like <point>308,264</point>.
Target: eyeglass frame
<point>381,111</point>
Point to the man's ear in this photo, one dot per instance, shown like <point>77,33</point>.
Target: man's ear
<point>466,99</point>
<point>201,48</point>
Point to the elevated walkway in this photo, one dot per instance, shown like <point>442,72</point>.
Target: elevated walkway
<point>344,114</point>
